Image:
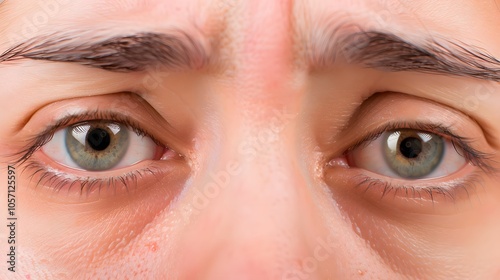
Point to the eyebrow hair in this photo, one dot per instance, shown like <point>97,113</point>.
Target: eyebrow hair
<point>388,52</point>
<point>178,50</point>
<point>124,53</point>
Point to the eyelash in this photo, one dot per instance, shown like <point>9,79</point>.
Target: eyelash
<point>58,181</point>
<point>449,190</point>
<point>43,138</point>
<point>462,145</point>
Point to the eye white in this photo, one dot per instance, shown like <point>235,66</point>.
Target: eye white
<point>371,157</point>
<point>140,148</point>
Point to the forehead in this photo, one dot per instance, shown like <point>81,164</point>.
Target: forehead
<point>445,15</point>
<point>236,26</point>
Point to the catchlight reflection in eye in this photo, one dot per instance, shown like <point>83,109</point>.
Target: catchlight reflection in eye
<point>408,154</point>
<point>99,146</point>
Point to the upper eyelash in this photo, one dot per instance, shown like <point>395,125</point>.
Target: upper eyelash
<point>39,140</point>
<point>472,155</point>
<point>462,145</point>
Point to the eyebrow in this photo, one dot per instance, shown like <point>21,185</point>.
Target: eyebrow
<point>124,53</point>
<point>178,50</point>
<point>388,52</point>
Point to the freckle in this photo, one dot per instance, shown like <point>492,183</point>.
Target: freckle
<point>153,246</point>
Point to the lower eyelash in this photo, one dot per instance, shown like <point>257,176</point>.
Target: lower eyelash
<point>58,180</point>
<point>462,145</point>
<point>448,191</point>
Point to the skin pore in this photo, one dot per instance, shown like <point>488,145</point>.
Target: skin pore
<point>263,118</point>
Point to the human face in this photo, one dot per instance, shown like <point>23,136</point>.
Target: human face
<point>266,139</point>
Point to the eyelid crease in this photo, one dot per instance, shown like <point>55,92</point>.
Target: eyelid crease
<point>462,145</point>
<point>39,140</point>
<point>367,105</point>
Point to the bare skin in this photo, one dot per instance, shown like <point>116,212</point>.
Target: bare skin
<point>257,111</point>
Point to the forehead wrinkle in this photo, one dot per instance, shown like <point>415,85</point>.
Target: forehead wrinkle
<point>300,20</point>
<point>317,36</point>
<point>154,13</point>
<point>323,38</point>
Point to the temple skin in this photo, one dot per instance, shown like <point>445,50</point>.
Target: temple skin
<point>260,112</point>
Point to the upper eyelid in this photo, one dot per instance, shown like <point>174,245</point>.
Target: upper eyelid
<point>438,129</point>
<point>478,158</point>
<point>377,101</point>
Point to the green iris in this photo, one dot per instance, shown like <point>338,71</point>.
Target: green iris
<point>97,145</point>
<point>413,154</point>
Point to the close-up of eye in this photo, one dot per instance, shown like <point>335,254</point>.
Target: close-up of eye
<point>249,139</point>
<point>409,154</point>
<point>100,146</point>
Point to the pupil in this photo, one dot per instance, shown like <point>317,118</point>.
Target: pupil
<point>411,147</point>
<point>98,139</point>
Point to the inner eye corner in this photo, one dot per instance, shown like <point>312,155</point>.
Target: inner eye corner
<point>336,161</point>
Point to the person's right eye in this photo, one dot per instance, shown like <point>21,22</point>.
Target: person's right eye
<point>98,153</point>
<point>101,146</point>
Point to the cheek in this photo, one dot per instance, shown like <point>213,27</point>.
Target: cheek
<point>422,245</point>
<point>400,247</point>
<point>77,238</point>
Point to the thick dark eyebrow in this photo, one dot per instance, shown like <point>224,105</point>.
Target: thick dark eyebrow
<point>388,52</point>
<point>123,53</point>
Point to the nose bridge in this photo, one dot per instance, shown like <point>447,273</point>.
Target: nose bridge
<point>247,216</point>
<point>257,175</point>
<point>246,221</point>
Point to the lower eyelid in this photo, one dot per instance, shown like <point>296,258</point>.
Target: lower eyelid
<point>78,186</point>
<point>416,196</point>
<point>442,200</point>
<point>462,172</point>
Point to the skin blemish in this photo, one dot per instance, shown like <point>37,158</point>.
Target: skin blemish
<point>152,246</point>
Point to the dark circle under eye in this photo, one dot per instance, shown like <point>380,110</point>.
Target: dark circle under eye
<point>413,154</point>
<point>98,145</point>
<point>98,139</point>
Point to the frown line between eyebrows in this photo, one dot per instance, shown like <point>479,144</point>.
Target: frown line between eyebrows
<point>388,52</point>
<point>123,53</point>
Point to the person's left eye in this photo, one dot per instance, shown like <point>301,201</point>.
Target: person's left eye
<point>408,154</point>
<point>100,146</point>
